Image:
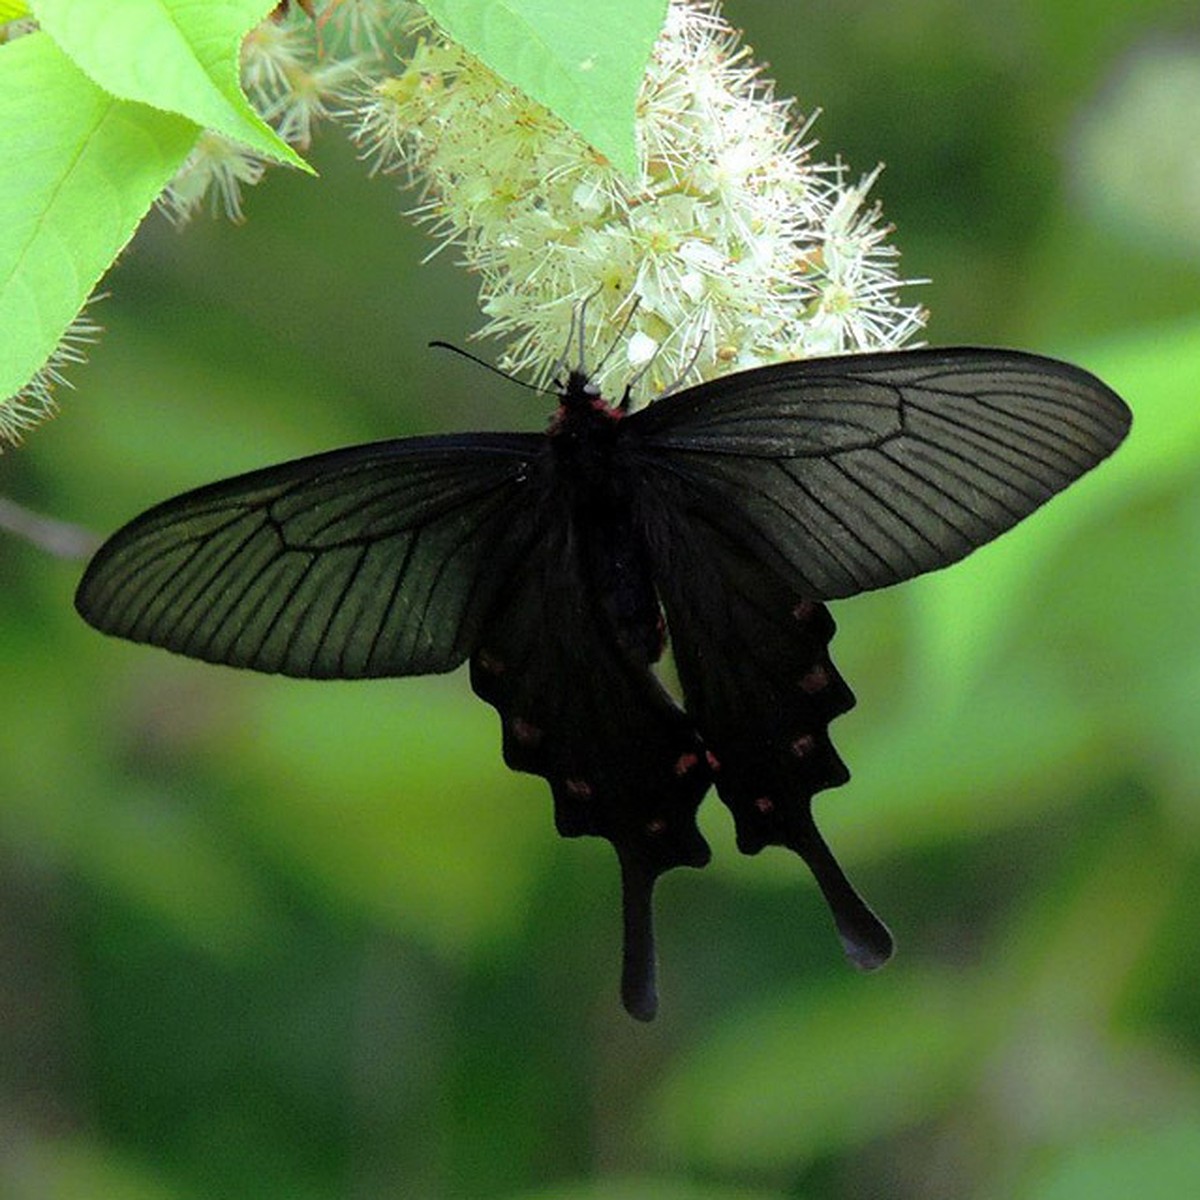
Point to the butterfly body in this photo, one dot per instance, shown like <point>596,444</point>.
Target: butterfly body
<point>586,475</point>
<point>721,517</point>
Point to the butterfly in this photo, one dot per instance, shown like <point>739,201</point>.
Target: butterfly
<point>725,515</point>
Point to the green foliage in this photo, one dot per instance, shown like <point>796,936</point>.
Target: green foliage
<point>97,113</point>
<point>651,1188</point>
<point>584,61</point>
<point>76,1168</point>
<point>767,1091</point>
<point>171,55</point>
<point>964,617</point>
<point>1156,1164</point>
<point>91,166</point>
<point>274,939</point>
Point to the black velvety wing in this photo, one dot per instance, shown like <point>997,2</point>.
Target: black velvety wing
<point>753,660</point>
<point>586,713</point>
<point>764,493</point>
<point>857,472</point>
<point>370,561</point>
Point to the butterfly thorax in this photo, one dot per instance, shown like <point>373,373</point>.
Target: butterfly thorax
<point>581,408</point>
<point>583,435</point>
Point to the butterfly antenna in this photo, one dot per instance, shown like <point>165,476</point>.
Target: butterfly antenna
<point>561,360</point>
<point>578,329</point>
<point>637,377</point>
<point>487,366</point>
<point>582,327</point>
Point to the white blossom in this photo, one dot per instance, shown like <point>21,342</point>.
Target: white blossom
<point>731,248</point>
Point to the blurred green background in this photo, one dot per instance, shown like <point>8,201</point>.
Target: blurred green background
<point>262,938</point>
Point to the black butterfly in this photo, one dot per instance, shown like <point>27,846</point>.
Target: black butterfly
<point>737,506</point>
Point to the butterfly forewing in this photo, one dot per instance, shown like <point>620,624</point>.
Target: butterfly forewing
<point>362,562</point>
<point>852,473</point>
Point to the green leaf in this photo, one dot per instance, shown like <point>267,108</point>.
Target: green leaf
<point>918,780</point>
<point>121,834</point>
<point>80,170</point>
<point>70,1166</point>
<point>1160,1163</point>
<point>176,55</point>
<point>817,1072</point>
<point>392,799</point>
<point>583,60</point>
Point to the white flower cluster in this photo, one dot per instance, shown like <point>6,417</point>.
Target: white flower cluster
<point>732,248</point>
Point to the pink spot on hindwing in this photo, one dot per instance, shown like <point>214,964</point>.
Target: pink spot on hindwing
<point>815,679</point>
<point>525,732</point>
<point>803,745</point>
<point>686,762</point>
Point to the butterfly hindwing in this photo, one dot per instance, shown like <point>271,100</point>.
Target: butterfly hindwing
<point>579,706</point>
<point>371,561</point>
<point>852,473</point>
<point>753,661</point>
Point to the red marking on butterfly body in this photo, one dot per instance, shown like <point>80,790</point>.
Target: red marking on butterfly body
<point>603,407</point>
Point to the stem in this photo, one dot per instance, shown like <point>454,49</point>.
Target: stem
<point>59,538</point>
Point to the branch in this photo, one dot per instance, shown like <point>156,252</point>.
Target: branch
<point>55,537</point>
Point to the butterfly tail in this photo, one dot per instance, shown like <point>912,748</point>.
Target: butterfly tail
<point>639,990</point>
<point>866,940</point>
